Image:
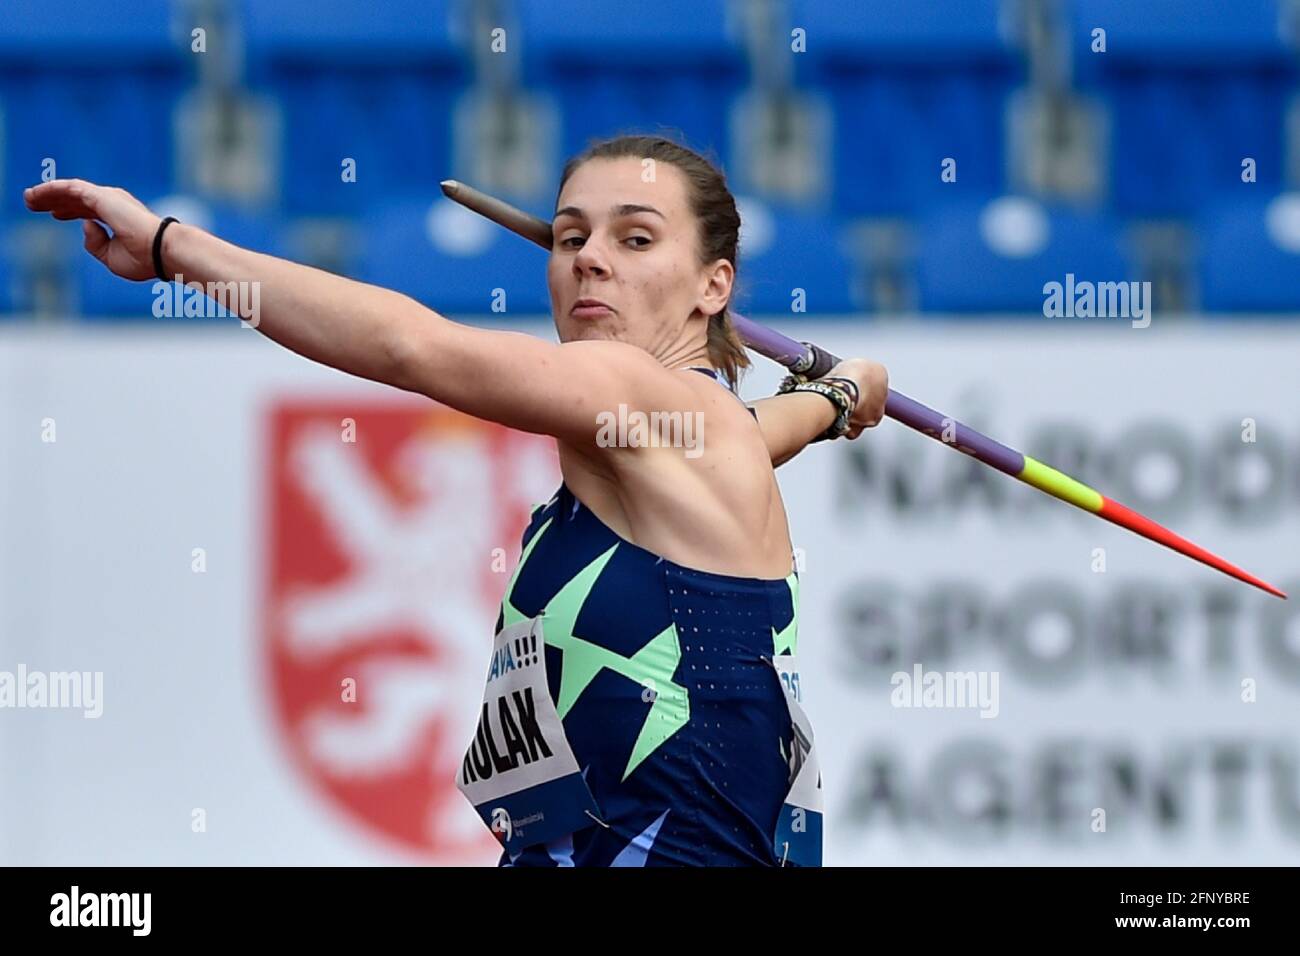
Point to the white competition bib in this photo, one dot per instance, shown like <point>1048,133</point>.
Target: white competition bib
<point>798,837</point>
<point>520,772</point>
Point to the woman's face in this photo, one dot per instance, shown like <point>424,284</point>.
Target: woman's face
<point>624,234</point>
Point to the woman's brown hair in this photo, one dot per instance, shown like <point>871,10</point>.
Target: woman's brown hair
<point>714,209</point>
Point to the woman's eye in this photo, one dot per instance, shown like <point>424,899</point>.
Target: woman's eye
<point>642,241</point>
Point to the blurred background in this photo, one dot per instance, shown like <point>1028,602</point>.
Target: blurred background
<point>283,581</point>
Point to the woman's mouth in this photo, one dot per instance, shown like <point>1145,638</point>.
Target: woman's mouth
<point>590,309</point>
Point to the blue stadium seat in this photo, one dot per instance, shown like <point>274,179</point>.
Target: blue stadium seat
<point>320,31</point>
<point>62,32</point>
<point>1193,87</point>
<point>1250,255</point>
<point>451,259</point>
<point>997,257</point>
<point>911,84</point>
<point>785,250</point>
<point>670,65</point>
<point>353,83</point>
<point>91,86</point>
<point>1180,32</point>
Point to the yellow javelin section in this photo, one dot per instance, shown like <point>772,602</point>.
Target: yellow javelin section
<point>1059,485</point>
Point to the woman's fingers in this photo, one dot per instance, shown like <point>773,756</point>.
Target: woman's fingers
<point>44,196</point>
<point>97,239</point>
<point>65,198</point>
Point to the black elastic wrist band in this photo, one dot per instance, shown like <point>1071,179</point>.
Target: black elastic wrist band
<point>157,248</point>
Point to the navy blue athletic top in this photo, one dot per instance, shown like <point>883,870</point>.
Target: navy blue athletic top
<point>659,674</point>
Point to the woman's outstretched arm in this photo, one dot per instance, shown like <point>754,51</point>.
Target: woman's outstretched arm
<point>512,378</point>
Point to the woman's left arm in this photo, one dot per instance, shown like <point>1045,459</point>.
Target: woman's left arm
<point>791,421</point>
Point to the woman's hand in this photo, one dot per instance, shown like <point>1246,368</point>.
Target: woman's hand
<point>873,389</point>
<point>128,252</point>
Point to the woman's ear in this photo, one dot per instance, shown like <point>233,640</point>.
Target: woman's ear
<point>719,280</point>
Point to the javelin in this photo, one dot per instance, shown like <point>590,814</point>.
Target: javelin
<point>804,358</point>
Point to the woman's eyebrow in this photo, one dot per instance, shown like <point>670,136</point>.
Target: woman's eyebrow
<point>626,209</point>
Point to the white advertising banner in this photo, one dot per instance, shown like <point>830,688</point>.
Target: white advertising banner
<point>246,602</point>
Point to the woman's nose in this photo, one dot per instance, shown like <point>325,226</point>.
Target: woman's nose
<point>590,259</point>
